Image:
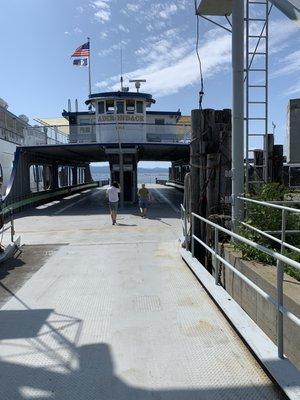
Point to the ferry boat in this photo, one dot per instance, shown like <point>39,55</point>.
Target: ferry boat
<point>16,131</point>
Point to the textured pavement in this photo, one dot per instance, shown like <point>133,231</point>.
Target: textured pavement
<point>114,313</point>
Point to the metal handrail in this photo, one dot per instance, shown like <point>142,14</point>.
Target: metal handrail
<point>266,234</point>
<point>217,258</point>
<point>249,242</point>
<point>269,204</point>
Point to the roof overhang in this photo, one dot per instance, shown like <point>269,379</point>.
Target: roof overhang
<point>291,8</point>
<point>96,152</point>
<point>215,7</point>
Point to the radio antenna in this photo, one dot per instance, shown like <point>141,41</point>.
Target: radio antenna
<point>121,65</point>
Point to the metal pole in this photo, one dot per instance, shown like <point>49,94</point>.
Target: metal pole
<point>247,99</point>
<point>90,80</point>
<point>193,233</point>
<point>121,167</point>
<point>237,110</point>
<point>280,276</point>
<point>12,227</point>
<point>266,146</point>
<point>185,230</point>
<point>216,252</point>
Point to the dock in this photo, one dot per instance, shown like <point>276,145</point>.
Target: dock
<point>94,311</point>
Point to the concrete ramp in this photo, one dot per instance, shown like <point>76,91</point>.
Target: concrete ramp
<point>116,314</point>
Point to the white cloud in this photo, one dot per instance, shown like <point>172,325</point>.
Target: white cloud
<point>67,33</point>
<point>77,30</point>
<point>133,7</point>
<point>168,10</point>
<point>168,69</point>
<point>123,28</point>
<point>103,35</point>
<point>114,47</point>
<point>80,9</point>
<point>294,89</point>
<point>290,64</point>
<point>103,11</point>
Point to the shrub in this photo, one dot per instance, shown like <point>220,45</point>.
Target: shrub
<point>269,219</point>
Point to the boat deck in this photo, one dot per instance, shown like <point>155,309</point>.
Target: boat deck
<point>113,313</point>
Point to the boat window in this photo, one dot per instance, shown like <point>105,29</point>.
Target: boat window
<point>159,121</point>
<point>140,107</point>
<point>85,129</point>
<point>80,175</point>
<point>65,176</point>
<point>101,107</point>
<point>84,121</point>
<point>110,107</point>
<point>130,106</point>
<point>120,107</point>
<point>40,178</point>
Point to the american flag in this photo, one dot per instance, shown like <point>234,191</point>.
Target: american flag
<point>82,51</point>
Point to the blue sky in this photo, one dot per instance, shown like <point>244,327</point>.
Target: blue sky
<point>158,40</point>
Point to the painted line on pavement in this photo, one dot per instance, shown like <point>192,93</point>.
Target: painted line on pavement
<point>76,202</point>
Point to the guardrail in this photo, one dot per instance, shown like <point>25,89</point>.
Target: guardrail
<point>127,132</point>
<point>217,259</point>
<point>17,204</point>
<point>284,210</point>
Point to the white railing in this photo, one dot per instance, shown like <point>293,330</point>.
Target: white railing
<point>284,212</point>
<point>127,132</point>
<point>281,260</point>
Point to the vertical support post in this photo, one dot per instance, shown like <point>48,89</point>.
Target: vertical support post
<point>193,232</point>
<point>266,147</point>
<point>121,167</point>
<point>185,229</point>
<point>280,273</point>
<point>12,227</point>
<point>247,100</point>
<point>238,110</point>
<point>90,79</point>
<point>216,252</point>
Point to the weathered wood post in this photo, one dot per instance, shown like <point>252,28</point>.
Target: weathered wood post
<point>278,163</point>
<point>270,148</point>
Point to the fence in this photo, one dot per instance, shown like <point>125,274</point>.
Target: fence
<point>281,260</point>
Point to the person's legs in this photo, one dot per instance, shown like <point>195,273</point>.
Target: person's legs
<point>113,212</point>
<point>145,211</point>
<point>112,216</point>
<point>142,208</point>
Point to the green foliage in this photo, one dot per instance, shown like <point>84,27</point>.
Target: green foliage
<point>269,219</point>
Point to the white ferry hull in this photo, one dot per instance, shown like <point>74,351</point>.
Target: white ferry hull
<point>7,151</point>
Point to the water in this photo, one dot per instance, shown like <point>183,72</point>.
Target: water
<point>144,177</point>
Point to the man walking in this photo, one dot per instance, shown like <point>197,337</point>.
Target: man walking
<point>144,197</point>
<point>113,197</point>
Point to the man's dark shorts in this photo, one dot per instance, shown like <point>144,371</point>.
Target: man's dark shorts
<point>113,205</point>
<point>143,203</point>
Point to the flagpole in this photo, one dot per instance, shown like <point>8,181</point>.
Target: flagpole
<point>90,81</point>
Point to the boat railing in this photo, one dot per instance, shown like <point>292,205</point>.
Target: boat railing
<point>122,132</point>
<point>190,239</point>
